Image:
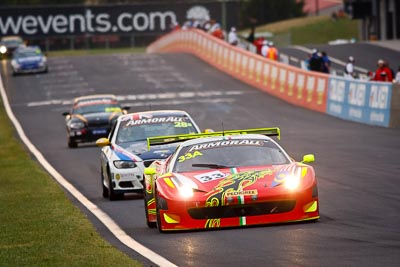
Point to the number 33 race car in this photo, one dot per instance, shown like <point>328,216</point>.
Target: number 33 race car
<point>228,179</point>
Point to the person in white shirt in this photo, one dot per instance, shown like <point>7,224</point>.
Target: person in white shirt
<point>397,77</point>
<point>349,68</point>
<point>232,37</point>
<point>264,48</point>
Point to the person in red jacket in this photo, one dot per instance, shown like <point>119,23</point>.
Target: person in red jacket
<point>383,73</point>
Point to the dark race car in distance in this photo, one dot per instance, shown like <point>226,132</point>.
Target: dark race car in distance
<point>8,44</point>
<point>91,118</point>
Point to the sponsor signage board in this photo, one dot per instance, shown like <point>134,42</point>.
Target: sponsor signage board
<point>360,101</point>
<point>108,19</point>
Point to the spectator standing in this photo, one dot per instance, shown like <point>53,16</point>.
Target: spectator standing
<point>391,70</point>
<point>264,48</point>
<point>216,31</point>
<point>316,61</point>
<point>397,78</point>
<point>272,52</point>
<point>326,63</point>
<point>349,68</point>
<point>383,73</point>
<point>232,37</point>
<point>259,43</point>
<point>251,37</point>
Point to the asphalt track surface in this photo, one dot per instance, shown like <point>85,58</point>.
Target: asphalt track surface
<point>357,166</point>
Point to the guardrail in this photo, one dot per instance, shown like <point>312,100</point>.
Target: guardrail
<point>365,102</point>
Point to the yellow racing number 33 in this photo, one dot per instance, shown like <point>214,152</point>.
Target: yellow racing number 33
<point>189,156</point>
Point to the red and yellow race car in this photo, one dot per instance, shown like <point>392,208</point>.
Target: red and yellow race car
<point>228,179</point>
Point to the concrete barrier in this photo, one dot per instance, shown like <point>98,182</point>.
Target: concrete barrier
<point>365,102</point>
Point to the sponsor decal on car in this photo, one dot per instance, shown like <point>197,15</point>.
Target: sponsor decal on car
<point>134,122</point>
<point>245,142</point>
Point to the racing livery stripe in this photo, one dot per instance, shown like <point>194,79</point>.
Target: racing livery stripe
<point>122,154</point>
<point>242,220</point>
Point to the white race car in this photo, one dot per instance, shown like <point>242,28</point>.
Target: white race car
<point>125,153</point>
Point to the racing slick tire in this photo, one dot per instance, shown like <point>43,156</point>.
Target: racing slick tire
<point>72,144</point>
<point>158,213</point>
<point>111,193</point>
<point>149,224</point>
<point>105,189</point>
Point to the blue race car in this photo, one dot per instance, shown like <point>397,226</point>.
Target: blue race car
<point>28,59</point>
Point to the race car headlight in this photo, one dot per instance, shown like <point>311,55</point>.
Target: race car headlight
<point>3,49</point>
<point>292,182</point>
<point>77,125</point>
<point>124,164</point>
<point>186,191</point>
<point>15,64</point>
<point>43,62</point>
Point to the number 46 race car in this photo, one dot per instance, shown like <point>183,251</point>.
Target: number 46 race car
<point>228,179</point>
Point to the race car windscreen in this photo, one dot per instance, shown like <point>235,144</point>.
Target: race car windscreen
<point>229,154</point>
<point>27,54</point>
<point>140,129</point>
<point>98,108</point>
<point>12,42</point>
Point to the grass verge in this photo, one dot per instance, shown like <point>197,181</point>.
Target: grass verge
<point>39,225</point>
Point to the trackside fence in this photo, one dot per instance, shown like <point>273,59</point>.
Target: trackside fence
<point>355,100</point>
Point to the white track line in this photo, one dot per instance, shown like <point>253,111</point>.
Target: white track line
<point>101,215</point>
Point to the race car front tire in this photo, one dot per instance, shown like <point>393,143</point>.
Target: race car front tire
<point>149,224</point>
<point>158,213</point>
<point>111,193</point>
<point>71,143</point>
<point>105,189</point>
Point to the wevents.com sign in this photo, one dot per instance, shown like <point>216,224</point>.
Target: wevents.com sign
<point>110,19</point>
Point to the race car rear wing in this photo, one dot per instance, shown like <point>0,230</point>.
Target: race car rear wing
<point>162,140</point>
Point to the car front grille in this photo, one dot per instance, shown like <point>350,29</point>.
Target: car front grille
<point>125,184</point>
<point>255,209</point>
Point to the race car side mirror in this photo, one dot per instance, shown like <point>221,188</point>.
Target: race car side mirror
<point>102,142</point>
<point>208,131</point>
<point>149,171</point>
<point>308,158</point>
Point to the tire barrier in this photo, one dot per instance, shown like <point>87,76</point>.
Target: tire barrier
<point>355,100</point>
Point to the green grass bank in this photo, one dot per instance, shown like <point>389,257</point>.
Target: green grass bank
<point>39,224</point>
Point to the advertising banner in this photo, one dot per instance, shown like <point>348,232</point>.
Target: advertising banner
<point>110,19</point>
<point>355,100</point>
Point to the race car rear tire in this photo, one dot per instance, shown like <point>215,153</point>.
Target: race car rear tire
<point>72,144</point>
<point>149,224</point>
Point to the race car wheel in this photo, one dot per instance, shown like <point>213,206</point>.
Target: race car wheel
<point>72,144</point>
<point>111,193</point>
<point>146,197</point>
<point>105,189</point>
<point>158,213</point>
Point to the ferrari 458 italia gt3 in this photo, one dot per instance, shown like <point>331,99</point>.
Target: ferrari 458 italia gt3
<point>228,179</point>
